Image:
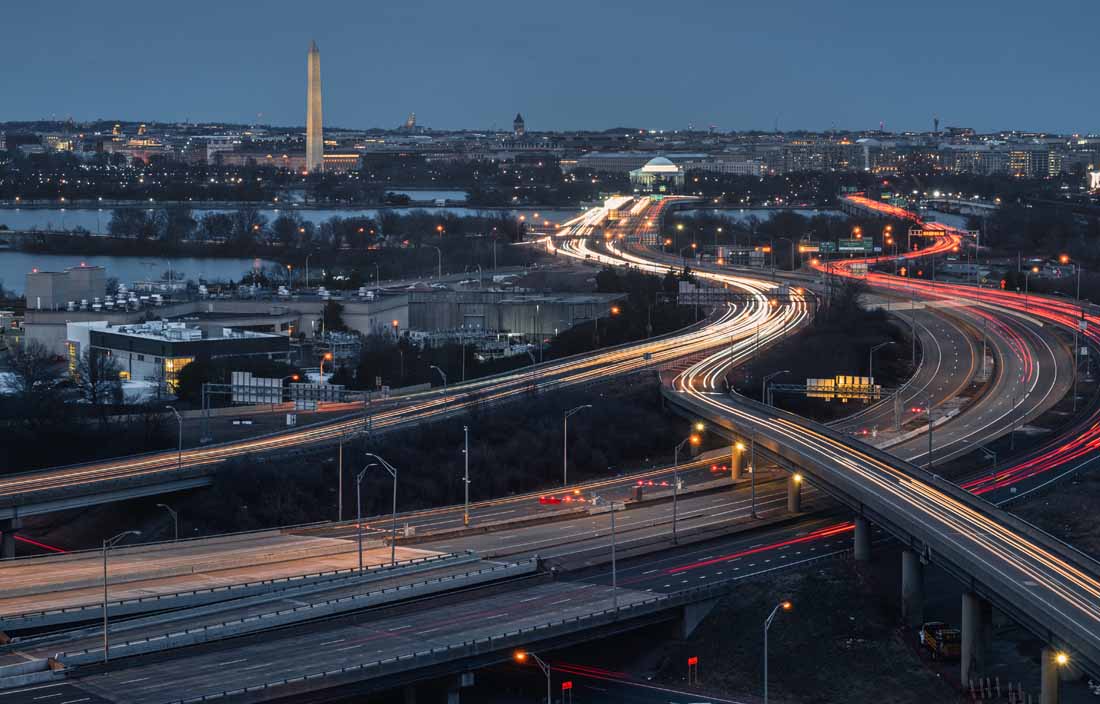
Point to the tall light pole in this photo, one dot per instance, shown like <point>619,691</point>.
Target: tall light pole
<point>393,473</point>
<point>521,657</point>
<point>439,263</point>
<point>307,267</point>
<point>596,499</point>
<point>929,411</point>
<point>565,442</point>
<point>179,448</point>
<point>359,511</point>
<point>764,384</point>
<point>785,606</point>
<point>1027,282</point>
<point>466,476</point>
<point>1064,259</point>
<point>321,369</point>
<point>442,374</point>
<point>694,439</point>
<point>175,519</point>
<point>871,358</point>
<point>107,545</point>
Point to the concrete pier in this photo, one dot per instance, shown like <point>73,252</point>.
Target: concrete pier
<point>9,527</point>
<point>735,462</point>
<point>794,493</point>
<point>861,541</point>
<point>977,636</point>
<point>1050,677</point>
<point>912,588</point>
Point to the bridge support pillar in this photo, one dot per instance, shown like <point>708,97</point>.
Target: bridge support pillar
<point>692,615</point>
<point>735,462</point>
<point>409,694</point>
<point>977,636</point>
<point>912,588</point>
<point>1049,680</point>
<point>794,493</point>
<point>861,541</point>
<point>9,527</point>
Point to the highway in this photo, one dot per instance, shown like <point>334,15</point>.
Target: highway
<point>737,326</point>
<point>1046,585</point>
<point>1072,449</point>
<point>255,660</point>
<point>902,497</point>
<point>1032,369</point>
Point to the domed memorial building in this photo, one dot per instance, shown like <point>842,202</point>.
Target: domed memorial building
<point>659,175</point>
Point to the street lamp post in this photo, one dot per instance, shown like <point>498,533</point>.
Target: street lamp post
<point>321,369</point>
<point>785,606</point>
<point>359,512</point>
<point>764,384</point>
<point>694,440</point>
<point>521,657</point>
<point>596,498</point>
<point>179,447</point>
<point>565,442</point>
<point>439,262</point>
<point>466,475</point>
<point>393,473</point>
<point>871,358</point>
<point>1027,283</point>
<point>107,545</point>
<point>442,374</point>
<point>175,519</point>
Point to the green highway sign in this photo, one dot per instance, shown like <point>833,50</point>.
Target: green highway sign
<point>850,245</point>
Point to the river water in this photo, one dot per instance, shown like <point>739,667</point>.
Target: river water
<point>14,267</point>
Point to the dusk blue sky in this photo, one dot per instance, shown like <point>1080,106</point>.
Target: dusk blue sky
<point>565,65</point>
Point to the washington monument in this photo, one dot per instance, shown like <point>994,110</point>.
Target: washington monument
<point>315,160</point>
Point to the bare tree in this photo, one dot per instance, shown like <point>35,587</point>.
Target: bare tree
<point>98,378</point>
<point>36,378</point>
<point>34,370</point>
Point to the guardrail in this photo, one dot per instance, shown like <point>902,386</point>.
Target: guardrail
<point>260,622</point>
<point>508,639</point>
<point>1018,600</point>
<point>219,593</point>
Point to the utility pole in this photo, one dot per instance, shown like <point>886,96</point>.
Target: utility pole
<point>929,409</point>
<point>565,442</point>
<point>752,470</point>
<point>466,477</point>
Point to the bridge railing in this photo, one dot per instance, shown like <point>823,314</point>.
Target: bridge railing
<point>505,640</point>
<point>230,591</point>
<point>1017,599</point>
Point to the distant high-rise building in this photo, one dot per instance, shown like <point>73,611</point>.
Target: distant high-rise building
<point>315,158</point>
<point>142,129</point>
<point>410,124</point>
<point>518,128</point>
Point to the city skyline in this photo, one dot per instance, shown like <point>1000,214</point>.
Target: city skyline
<point>737,68</point>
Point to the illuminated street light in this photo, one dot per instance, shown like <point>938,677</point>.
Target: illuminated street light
<point>785,606</point>
<point>107,545</point>
<point>565,442</point>
<point>521,656</point>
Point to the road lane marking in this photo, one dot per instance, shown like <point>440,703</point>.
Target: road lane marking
<point>330,642</point>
